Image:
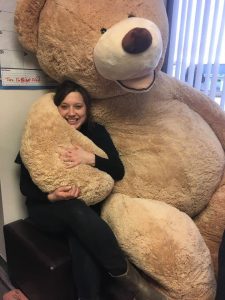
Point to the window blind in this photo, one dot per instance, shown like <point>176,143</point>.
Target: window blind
<point>196,53</point>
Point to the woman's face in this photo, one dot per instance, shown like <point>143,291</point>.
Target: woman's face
<point>73,109</point>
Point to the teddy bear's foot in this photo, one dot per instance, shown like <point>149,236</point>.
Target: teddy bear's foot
<point>136,284</point>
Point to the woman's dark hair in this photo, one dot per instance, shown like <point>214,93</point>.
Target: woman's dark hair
<point>68,86</point>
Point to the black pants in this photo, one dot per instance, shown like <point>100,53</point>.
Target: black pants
<point>220,293</point>
<point>92,243</point>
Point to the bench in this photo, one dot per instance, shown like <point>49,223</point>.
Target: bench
<point>38,264</point>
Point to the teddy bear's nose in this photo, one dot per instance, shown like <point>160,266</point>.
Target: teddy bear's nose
<point>137,40</point>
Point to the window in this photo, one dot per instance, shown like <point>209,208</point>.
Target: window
<point>196,51</point>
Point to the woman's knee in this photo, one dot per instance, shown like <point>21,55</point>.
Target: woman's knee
<point>75,209</point>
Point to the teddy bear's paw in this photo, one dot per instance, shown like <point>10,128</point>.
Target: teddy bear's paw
<point>46,134</point>
<point>164,243</point>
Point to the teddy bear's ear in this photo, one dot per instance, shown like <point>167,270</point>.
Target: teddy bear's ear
<point>26,22</point>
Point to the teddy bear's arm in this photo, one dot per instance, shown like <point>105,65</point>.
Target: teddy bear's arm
<point>206,108</point>
<point>211,222</point>
<point>26,22</point>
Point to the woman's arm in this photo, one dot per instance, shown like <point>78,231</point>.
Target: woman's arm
<point>113,165</point>
<point>29,189</point>
<point>77,155</point>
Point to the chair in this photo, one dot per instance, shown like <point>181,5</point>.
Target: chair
<point>38,264</point>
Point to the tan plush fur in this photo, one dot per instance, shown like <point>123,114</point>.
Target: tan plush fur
<point>45,131</point>
<point>170,138</point>
<point>179,246</point>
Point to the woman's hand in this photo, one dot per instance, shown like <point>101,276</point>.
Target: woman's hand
<point>75,156</point>
<point>64,193</point>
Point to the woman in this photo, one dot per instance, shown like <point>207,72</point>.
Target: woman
<point>92,243</point>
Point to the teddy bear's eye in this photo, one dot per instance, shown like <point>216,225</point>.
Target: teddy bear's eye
<point>103,30</point>
<point>131,16</point>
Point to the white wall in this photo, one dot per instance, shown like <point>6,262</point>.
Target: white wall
<point>13,110</point>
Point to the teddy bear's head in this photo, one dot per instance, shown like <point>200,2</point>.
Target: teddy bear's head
<point>107,46</point>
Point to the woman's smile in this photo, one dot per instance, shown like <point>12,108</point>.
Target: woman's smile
<point>73,109</point>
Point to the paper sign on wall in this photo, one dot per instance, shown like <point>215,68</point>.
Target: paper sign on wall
<point>18,67</point>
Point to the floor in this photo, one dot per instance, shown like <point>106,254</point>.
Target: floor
<point>3,289</point>
<point>5,284</point>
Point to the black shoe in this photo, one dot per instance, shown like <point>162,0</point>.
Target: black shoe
<point>137,285</point>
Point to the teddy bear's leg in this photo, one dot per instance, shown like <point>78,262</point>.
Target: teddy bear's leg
<point>211,222</point>
<point>164,244</point>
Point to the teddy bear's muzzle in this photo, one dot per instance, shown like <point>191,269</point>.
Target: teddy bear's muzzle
<point>129,53</point>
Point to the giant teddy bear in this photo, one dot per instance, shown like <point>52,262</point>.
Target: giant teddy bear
<point>168,212</point>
